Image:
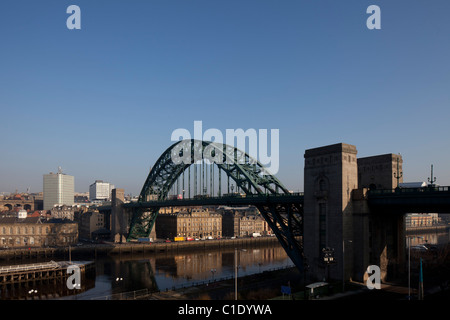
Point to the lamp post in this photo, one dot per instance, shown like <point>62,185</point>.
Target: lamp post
<point>235,273</point>
<point>328,258</point>
<point>398,174</point>
<point>432,179</point>
<point>409,265</point>
<point>409,268</point>
<point>236,267</point>
<point>343,264</point>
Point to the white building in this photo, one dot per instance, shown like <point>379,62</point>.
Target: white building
<point>100,191</point>
<point>413,184</point>
<point>58,189</point>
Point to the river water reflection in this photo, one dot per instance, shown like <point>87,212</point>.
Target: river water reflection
<point>165,270</point>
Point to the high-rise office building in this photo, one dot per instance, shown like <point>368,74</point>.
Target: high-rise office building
<point>100,191</point>
<point>58,189</point>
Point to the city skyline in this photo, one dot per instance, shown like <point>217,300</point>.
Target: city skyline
<point>102,102</point>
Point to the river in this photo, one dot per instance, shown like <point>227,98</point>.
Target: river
<point>166,270</point>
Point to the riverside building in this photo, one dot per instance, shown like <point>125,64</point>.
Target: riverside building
<point>193,222</point>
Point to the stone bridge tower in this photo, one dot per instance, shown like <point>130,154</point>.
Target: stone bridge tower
<point>331,174</point>
<point>337,214</point>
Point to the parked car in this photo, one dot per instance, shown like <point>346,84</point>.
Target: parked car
<point>419,247</point>
<point>431,247</point>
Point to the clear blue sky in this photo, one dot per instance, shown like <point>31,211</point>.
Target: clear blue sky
<point>102,102</point>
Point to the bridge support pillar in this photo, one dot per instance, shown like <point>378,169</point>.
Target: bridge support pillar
<point>380,236</point>
<point>119,221</point>
<point>337,215</point>
<point>331,173</point>
<point>379,239</point>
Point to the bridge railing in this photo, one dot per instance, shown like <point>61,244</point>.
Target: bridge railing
<point>29,267</point>
<point>409,191</point>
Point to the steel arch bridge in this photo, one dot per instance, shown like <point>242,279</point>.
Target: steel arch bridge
<point>281,209</point>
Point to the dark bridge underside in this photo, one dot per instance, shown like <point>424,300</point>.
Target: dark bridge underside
<point>282,210</point>
<point>255,200</point>
<point>411,200</point>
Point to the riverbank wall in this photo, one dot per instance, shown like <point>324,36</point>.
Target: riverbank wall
<point>110,248</point>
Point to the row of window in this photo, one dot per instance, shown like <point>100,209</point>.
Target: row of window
<point>199,234</point>
<point>24,230</point>
<point>200,224</point>
<point>18,241</point>
<point>32,230</point>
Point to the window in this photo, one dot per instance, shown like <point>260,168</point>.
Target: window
<point>322,225</point>
<point>322,185</point>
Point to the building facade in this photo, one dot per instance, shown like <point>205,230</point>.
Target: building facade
<point>91,222</point>
<point>58,189</point>
<point>417,220</point>
<point>100,191</point>
<point>36,232</point>
<point>244,223</point>
<point>196,223</point>
<point>63,212</point>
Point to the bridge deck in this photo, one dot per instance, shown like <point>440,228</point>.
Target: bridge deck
<point>229,200</point>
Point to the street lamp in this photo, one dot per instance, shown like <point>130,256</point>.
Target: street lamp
<point>409,264</point>
<point>235,274</point>
<point>236,267</point>
<point>328,258</point>
<point>343,263</point>
<point>32,292</point>
<point>398,174</point>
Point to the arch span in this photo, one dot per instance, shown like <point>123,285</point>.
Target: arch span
<point>249,175</point>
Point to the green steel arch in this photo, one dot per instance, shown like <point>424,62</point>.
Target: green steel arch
<point>248,173</point>
<point>284,218</point>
